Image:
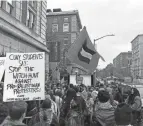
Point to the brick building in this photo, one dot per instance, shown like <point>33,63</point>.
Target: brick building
<point>23,27</point>
<point>63,27</point>
<point>123,62</point>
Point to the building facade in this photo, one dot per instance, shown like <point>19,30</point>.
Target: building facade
<point>62,27</point>
<point>137,57</point>
<point>123,62</point>
<point>23,27</point>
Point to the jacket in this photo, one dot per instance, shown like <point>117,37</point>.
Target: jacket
<point>104,113</point>
<point>9,122</point>
<point>3,112</point>
<point>123,114</point>
<point>38,119</point>
<point>137,104</point>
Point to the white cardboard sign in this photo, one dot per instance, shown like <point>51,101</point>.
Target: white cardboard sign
<point>86,80</point>
<point>2,62</point>
<point>24,77</point>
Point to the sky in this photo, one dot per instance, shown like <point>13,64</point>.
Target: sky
<point>123,18</point>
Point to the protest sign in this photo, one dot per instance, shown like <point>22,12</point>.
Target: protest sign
<point>24,77</point>
<point>2,61</point>
<point>80,79</point>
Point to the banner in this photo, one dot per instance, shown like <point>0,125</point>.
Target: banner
<point>24,77</point>
<point>2,62</point>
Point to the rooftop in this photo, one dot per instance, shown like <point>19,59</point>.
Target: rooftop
<point>59,12</point>
<point>122,53</point>
<point>136,37</point>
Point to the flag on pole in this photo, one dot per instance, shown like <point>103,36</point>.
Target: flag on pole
<point>83,53</point>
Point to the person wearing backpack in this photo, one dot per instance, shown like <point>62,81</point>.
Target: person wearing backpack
<point>103,111</point>
<point>135,103</point>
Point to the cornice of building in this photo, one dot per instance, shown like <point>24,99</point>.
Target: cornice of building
<point>122,53</point>
<point>62,13</point>
<point>15,28</point>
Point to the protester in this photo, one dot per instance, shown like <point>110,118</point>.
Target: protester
<point>104,111</point>
<point>45,117</point>
<point>110,91</point>
<point>32,108</point>
<point>118,96</point>
<point>84,93</point>
<point>94,94</point>
<point>135,103</point>
<point>89,105</point>
<point>53,103</point>
<point>123,115</point>
<point>58,100</point>
<point>70,94</point>
<point>75,115</point>
<point>3,110</point>
<point>17,111</point>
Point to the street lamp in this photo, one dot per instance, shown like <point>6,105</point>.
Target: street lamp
<point>103,37</point>
<point>94,45</point>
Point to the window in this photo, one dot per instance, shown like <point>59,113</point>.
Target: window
<point>65,27</point>
<point>54,27</point>
<point>9,1</point>
<point>1,3</point>
<point>73,23</point>
<point>33,4</point>
<point>30,19</point>
<point>65,40</point>
<point>73,37</point>
<point>66,19</point>
<point>9,8</point>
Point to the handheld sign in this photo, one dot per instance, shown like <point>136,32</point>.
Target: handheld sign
<point>82,79</point>
<point>24,77</point>
<point>2,62</point>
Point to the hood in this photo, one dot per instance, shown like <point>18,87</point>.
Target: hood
<point>105,105</point>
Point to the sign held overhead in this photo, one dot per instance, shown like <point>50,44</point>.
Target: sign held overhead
<point>24,77</point>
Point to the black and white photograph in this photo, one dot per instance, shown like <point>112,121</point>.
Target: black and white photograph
<point>71,63</point>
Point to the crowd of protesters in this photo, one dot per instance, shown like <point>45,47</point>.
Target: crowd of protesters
<point>70,105</point>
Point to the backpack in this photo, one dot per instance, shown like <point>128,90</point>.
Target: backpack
<point>123,114</point>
